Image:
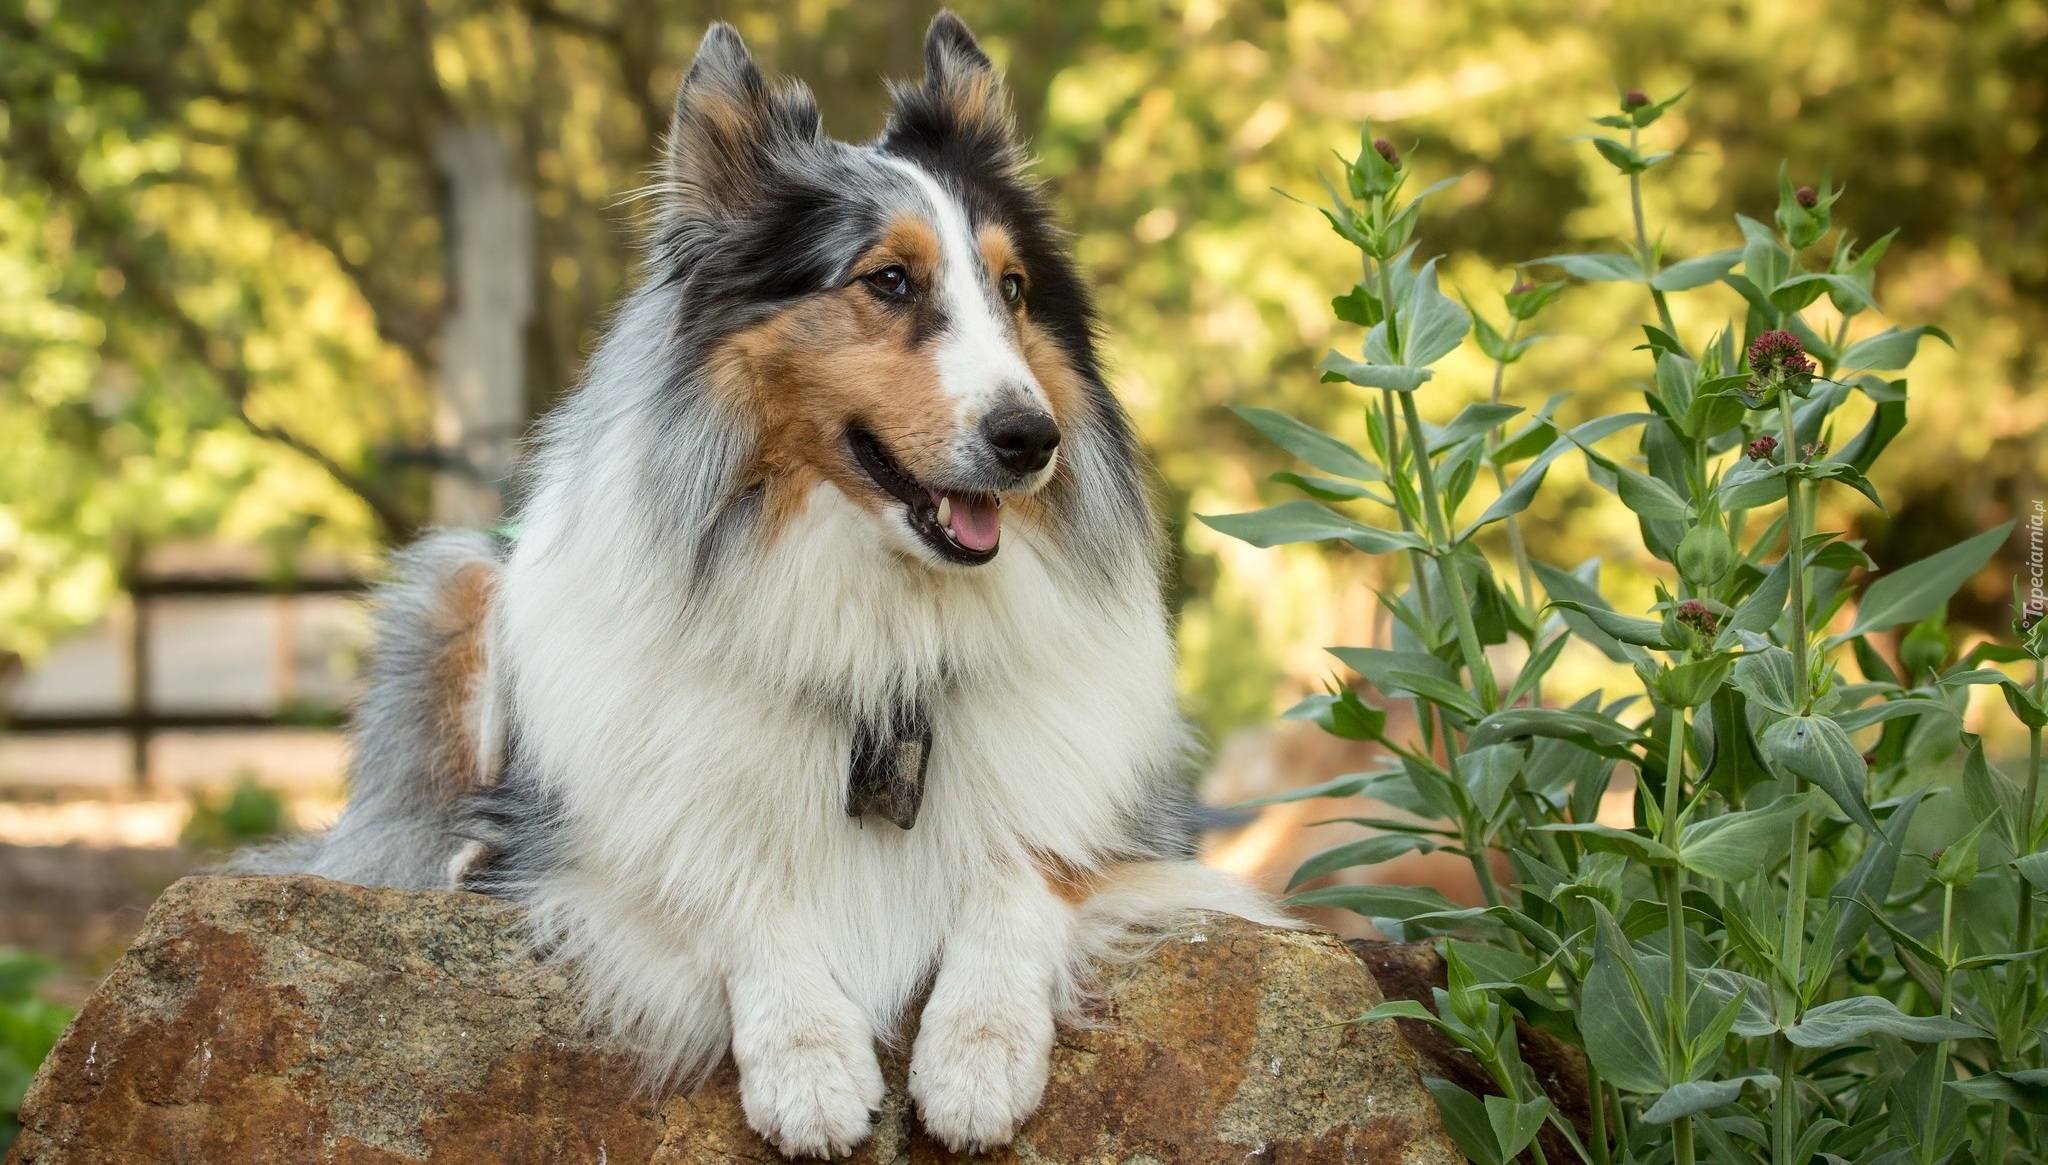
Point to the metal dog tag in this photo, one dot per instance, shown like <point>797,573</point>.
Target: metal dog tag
<point>887,775</point>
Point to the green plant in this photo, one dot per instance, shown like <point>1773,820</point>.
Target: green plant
<point>249,812</point>
<point>29,1027</point>
<point>1792,954</point>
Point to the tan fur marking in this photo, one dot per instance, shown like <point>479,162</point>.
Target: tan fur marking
<point>831,361</point>
<point>1069,883</point>
<point>458,668</point>
<point>976,100</point>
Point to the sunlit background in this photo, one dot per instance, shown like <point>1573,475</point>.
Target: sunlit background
<point>232,362</point>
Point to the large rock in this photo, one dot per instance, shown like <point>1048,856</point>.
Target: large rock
<point>300,1020</point>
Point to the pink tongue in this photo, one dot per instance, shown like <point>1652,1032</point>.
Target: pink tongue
<point>977,523</point>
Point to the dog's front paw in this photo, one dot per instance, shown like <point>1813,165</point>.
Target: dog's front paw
<point>812,1091</point>
<point>977,1072</point>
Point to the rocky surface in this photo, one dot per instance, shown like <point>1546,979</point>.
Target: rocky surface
<point>300,1020</point>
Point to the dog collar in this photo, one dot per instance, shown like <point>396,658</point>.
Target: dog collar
<point>886,776</point>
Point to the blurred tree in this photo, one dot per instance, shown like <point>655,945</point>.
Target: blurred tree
<point>223,267</point>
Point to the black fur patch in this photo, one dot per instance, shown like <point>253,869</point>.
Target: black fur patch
<point>886,776</point>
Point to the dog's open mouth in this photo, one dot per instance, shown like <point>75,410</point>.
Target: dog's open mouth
<point>960,526</point>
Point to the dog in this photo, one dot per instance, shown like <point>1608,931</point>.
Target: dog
<point>829,670</point>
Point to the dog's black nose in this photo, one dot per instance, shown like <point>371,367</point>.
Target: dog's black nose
<point>1023,438</point>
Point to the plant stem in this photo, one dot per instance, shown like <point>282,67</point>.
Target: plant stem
<point>1792,948</point>
<point>2029,834</point>
<point>1795,555</point>
<point>1674,921</point>
<point>1384,276</point>
<point>1473,832</point>
<point>1447,563</point>
<point>1783,1112</point>
<point>1948,1006</point>
<point>1500,478</point>
<point>1596,1111</point>
<point>1635,198</point>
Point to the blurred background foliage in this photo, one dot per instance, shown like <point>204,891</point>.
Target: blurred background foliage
<point>223,259</point>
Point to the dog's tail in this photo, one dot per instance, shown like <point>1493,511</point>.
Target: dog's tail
<point>427,731</point>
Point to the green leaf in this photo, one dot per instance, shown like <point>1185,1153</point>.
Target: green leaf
<point>1621,156</point>
<point>1348,785</point>
<point>1561,585</point>
<point>1914,592</point>
<point>1306,521</point>
<point>1465,1119</point>
<point>1432,323</point>
<point>1736,847</point>
<point>1816,748</point>
<point>1648,496</point>
<point>1377,901</point>
<point>2034,868</point>
<point>1887,422</point>
<point>1889,349</point>
<point>1357,306</point>
<point>1341,714</point>
<point>1399,673</point>
<point>1759,612</point>
<point>1626,628</point>
<point>1697,1096</point>
<point>1856,1019</point>
<point>1471,421</point>
<point>1593,731</point>
<point>1515,1125</point>
<point>1398,377</point>
<point>1310,444</point>
<point>1801,290</point>
<point>2025,1090</point>
<point>1617,1016</point>
<point>1331,489</point>
<point>1607,839</point>
<point>1857,719</point>
<point>1598,268</point>
<point>1369,851</point>
<point>1400,1009</point>
<point>1690,273</point>
<point>1770,679</point>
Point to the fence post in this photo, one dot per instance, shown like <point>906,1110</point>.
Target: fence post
<point>138,668</point>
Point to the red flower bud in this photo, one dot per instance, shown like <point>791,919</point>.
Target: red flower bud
<point>1634,99</point>
<point>1386,149</point>
<point>1776,362</point>
<point>1698,616</point>
<point>1816,450</point>
<point>1806,196</point>
<point>1762,448</point>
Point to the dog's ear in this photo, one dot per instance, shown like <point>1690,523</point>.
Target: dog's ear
<point>962,102</point>
<point>729,128</point>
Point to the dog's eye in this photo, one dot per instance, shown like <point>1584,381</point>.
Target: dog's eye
<point>892,281</point>
<point>1013,288</point>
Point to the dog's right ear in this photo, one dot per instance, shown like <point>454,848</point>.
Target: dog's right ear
<point>728,128</point>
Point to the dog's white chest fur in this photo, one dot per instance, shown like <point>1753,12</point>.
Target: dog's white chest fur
<point>702,758</point>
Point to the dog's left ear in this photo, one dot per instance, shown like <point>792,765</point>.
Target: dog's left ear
<point>962,101</point>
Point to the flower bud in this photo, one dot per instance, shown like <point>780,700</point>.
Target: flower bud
<point>1634,99</point>
<point>1763,447</point>
<point>1777,363</point>
<point>1387,151</point>
<point>1806,197</point>
<point>1698,617</point>
<point>1815,450</point>
<point>1705,554</point>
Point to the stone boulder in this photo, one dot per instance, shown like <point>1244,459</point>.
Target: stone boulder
<point>302,1020</point>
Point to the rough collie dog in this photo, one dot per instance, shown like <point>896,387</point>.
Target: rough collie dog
<point>829,667</point>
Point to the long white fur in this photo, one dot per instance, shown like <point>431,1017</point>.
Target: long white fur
<point>719,894</point>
